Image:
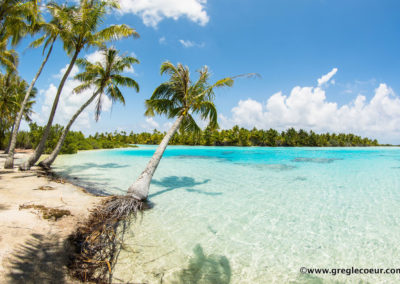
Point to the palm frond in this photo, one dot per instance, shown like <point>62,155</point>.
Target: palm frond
<point>83,87</point>
<point>125,81</point>
<point>190,125</point>
<point>115,32</point>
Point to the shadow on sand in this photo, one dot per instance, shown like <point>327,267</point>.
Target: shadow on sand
<point>187,183</point>
<point>86,166</point>
<point>42,259</point>
<point>202,268</point>
<point>4,207</point>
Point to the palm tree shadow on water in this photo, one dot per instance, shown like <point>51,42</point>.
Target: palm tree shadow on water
<point>174,182</point>
<point>202,268</point>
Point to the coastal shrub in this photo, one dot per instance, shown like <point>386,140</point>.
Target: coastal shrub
<point>69,148</point>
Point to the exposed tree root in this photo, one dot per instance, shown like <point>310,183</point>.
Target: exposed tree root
<point>97,241</point>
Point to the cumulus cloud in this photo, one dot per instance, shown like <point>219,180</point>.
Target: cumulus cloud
<point>96,56</point>
<point>70,102</point>
<point>74,71</point>
<point>150,124</point>
<point>162,40</point>
<point>308,108</point>
<point>325,78</point>
<point>154,11</point>
<point>189,43</point>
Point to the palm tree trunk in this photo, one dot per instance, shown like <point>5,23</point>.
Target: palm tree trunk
<point>40,147</point>
<point>9,164</point>
<point>46,163</point>
<point>140,188</point>
<point>9,140</point>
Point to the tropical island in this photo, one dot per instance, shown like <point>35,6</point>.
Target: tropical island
<point>157,214</point>
<point>76,140</point>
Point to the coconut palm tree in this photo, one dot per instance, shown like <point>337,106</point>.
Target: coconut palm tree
<point>181,99</point>
<point>12,90</point>
<point>8,58</point>
<point>17,18</point>
<point>80,31</point>
<point>105,76</point>
<point>51,33</point>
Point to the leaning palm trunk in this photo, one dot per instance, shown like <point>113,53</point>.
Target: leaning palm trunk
<point>46,163</point>
<point>40,148</point>
<point>140,188</point>
<point>13,140</point>
<point>9,141</point>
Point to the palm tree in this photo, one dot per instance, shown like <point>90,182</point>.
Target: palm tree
<point>178,97</point>
<point>19,89</point>
<point>80,31</point>
<point>17,19</point>
<point>52,31</point>
<point>8,58</point>
<point>12,89</point>
<point>106,77</point>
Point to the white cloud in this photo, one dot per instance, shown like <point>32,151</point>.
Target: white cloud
<point>189,43</point>
<point>325,79</point>
<point>162,40</point>
<point>60,74</point>
<point>96,56</point>
<point>308,108</point>
<point>167,125</point>
<point>150,124</point>
<point>154,11</point>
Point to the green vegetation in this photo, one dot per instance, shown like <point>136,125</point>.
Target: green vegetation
<point>236,136</point>
<point>255,137</point>
<point>74,141</point>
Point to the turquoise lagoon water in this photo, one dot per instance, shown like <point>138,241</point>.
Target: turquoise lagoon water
<point>254,215</point>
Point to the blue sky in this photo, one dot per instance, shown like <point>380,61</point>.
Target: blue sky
<point>290,43</point>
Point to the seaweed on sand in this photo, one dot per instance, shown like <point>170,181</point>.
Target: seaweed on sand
<point>98,240</point>
<point>47,212</point>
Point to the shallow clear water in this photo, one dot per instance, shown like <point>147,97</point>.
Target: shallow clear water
<point>254,215</point>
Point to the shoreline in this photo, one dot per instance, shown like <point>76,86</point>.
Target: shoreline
<point>33,248</point>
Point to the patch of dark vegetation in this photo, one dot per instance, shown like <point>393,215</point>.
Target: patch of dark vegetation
<point>315,160</point>
<point>300,179</point>
<point>97,241</point>
<point>201,157</point>
<point>47,212</point>
<point>45,187</point>
<point>204,192</point>
<point>273,167</point>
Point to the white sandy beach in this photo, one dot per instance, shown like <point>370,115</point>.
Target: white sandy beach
<point>32,248</point>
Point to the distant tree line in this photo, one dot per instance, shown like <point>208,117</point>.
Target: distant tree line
<point>256,137</point>
<point>76,140</point>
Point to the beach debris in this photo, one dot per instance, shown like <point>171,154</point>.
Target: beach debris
<point>98,240</point>
<point>45,187</point>
<point>47,212</point>
<point>58,180</point>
